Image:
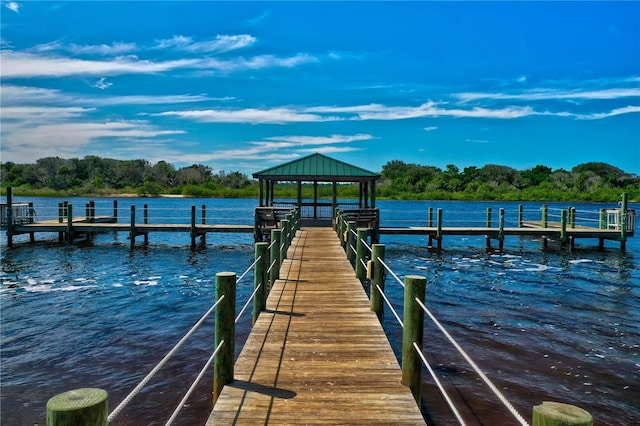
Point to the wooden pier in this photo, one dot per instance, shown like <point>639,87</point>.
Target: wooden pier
<point>318,354</point>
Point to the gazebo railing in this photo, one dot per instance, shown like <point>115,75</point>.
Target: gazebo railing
<point>311,210</point>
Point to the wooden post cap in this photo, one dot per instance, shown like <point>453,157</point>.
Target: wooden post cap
<point>557,414</point>
<point>88,406</point>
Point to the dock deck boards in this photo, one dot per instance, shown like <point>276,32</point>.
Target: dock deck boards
<point>318,355</point>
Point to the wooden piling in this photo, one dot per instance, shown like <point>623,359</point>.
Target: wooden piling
<point>274,256</point>
<point>558,414</point>
<point>60,220</point>
<point>488,237</point>
<point>415,287</point>
<point>520,215</point>
<point>145,220</point>
<point>545,217</point>
<point>360,254</point>
<point>87,406</point>
<point>69,223</point>
<point>283,240</point>
<point>9,216</point>
<point>225,331</point>
<point>378,279</point>
<point>501,229</point>
<point>351,255</point>
<point>260,279</point>
<point>132,229</point>
<point>203,210</point>
<point>623,221</point>
<point>193,233</point>
<point>439,230</point>
<point>563,227</point>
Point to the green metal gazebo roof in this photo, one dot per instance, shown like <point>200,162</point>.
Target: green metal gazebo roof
<point>317,167</point>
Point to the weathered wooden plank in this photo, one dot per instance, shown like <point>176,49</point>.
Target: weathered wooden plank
<point>318,355</point>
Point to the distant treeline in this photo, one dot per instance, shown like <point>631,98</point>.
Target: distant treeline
<point>95,176</point>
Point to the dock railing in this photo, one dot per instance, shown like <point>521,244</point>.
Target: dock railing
<point>91,403</point>
<point>369,264</point>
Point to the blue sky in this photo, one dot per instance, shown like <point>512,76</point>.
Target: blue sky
<point>242,86</point>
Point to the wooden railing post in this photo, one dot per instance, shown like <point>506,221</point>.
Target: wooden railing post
<point>145,220</point>
<point>439,231</point>
<point>558,414</point>
<point>520,215</point>
<point>193,232</point>
<point>544,222</point>
<point>415,287</point>
<point>351,255</point>
<point>225,331</point>
<point>603,219</point>
<point>132,226</point>
<point>360,254</point>
<point>430,223</point>
<point>274,255</point>
<point>9,216</point>
<point>203,237</point>
<point>623,221</point>
<point>115,211</point>
<point>501,229</point>
<point>284,225</point>
<point>86,406</point>
<point>260,279</point>
<point>572,217</point>
<point>291,229</point>
<point>563,226</point>
<point>377,280</point>
<point>488,236</point>
<point>69,223</point>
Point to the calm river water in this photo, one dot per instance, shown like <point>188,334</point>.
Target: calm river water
<point>543,325</point>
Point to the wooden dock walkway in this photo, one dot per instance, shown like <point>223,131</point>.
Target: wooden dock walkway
<point>317,355</point>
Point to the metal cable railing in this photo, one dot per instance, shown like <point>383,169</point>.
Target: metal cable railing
<point>162,362</point>
<point>170,354</point>
<point>472,363</point>
<point>431,371</point>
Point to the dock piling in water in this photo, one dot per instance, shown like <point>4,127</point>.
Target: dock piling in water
<point>87,406</point>
<point>225,314</point>
<point>558,414</point>
<point>413,331</point>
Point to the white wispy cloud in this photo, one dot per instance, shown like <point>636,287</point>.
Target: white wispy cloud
<point>218,44</point>
<point>222,43</point>
<point>321,140</point>
<point>281,142</point>
<point>14,95</point>
<point>279,115</point>
<point>13,6</point>
<point>618,111</point>
<point>430,128</point>
<point>553,94</point>
<point>31,132</point>
<point>102,84</point>
<point>229,155</point>
<point>427,109</point>
<point>29,65</point>
<point>25,65</point>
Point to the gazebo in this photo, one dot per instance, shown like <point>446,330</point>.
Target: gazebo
<point>316,168</point>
